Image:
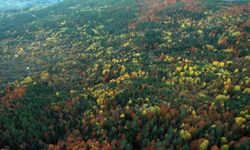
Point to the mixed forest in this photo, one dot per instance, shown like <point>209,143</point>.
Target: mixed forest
<point>126,74</point>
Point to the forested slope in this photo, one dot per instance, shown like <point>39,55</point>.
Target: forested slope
<point>126,74</point>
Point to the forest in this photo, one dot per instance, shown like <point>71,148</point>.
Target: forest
<point>125,75</point>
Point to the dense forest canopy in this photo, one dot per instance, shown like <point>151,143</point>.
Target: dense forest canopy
<point>125,74</point>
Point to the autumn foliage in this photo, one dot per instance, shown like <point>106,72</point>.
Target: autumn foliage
<point>130,74</point>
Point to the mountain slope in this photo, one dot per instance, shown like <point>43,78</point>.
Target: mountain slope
<point>107,74</point>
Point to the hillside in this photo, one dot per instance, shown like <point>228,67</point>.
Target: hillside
<point>126,74</point>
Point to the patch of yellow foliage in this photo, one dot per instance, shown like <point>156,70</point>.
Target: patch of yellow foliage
<point>204,145</point>
<point>219,64</point>
<point>222,98</point>
<point>44,75</point>
<point>27,80</point>
<point>185,135</point>
<point>240,120</point>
